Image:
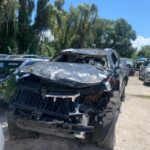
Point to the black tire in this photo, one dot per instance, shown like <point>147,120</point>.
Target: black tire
<point>145,83</point>
<point>133,73</point>
<point>104,135</point>
<point>123,96</point>
<point>109,142</point>
<point>17,132</point>
<point>140,76</point>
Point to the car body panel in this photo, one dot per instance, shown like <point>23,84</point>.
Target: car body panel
<point>143,67</point>
<point>130,65</point>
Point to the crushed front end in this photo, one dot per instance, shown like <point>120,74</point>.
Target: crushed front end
<point>43,105</point>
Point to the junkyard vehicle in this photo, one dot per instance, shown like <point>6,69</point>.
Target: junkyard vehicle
<point>130,65</point>
<point>144,72</point>
<point>27,56</point>
<point>2,56</point>
<point>77,95</point>
<point>14,61</point>
<point>126,70</point>
<point>8,64</point>
<point>147,74</point>
<point>7,69</point>
<point>138,63</point>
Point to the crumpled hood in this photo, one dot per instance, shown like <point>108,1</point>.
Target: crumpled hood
<point>66,73</point>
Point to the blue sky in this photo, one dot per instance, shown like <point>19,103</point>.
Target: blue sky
<point>136,12</point>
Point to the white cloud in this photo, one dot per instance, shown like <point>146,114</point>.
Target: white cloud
<point>141,41</point>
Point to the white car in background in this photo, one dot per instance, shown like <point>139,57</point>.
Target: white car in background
<point>1,138</point>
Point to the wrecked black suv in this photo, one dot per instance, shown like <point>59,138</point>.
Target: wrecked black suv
<point>77,95</point>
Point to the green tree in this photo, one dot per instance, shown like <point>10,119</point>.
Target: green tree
<point>123,36</point>
<point>42,20</point>
<point>42,25</point>
<point>59,4</point>
<point>79,28</point>
<point>115,34</point>
<point>103,33</point>
<point>80,22</point>
<point>24,25</point>
<point>8,25</point>
<point>58,23</point>
<point>144,52</point>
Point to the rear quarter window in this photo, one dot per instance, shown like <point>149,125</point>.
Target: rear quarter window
<point>114,58</point>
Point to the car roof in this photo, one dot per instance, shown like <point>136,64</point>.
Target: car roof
<point>87,51</point>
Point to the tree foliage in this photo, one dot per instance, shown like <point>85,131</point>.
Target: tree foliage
<point>53,28</point>
<point>42,19</point>
<point>8,25</point>
<point>24,25</point>
<point>115,34</point>
<point>144,52</point>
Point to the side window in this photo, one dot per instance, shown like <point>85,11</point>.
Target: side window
<point>114,58</point>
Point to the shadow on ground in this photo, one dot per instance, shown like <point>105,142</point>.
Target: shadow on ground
<point>48,143</point>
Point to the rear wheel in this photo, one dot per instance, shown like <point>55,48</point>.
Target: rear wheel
<point>140,76</point>
<point>145,83</point>
<point>123,96</point>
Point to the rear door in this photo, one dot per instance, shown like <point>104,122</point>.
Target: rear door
<point>118,70</point>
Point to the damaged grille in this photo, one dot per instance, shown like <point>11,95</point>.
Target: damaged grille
<point>37,106</point>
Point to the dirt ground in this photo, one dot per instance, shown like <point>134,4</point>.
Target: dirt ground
<point>132,131</point>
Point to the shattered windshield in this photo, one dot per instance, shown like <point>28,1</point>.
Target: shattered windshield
<point>97,61</point>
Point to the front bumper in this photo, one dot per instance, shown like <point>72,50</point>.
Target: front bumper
<point>55,128</point>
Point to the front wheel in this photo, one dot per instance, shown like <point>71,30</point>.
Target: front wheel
<point>109,142</point>
<point>104,134</point>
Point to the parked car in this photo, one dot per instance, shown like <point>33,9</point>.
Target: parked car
<point>7,71</point>
<point>144,71</point>
<point>138,63</point>
<point>130,65</point>
<point>12,62</point>
<point>2,56</point>
<point>147,74</point>
<point>77,95</point>
<point>6,65</point>
<point>126,70</point>
<point>32,56</point>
